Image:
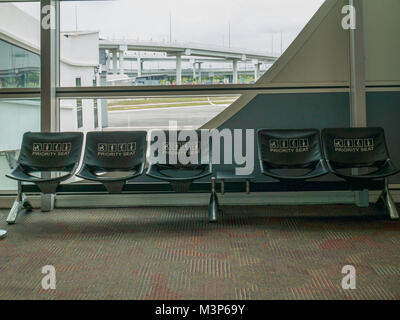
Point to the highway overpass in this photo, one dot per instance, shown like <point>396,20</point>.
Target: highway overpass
<point>115,52</point>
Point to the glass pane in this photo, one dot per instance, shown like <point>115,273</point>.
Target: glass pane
<point>19,45</point>
<point>141,113</point>
<point>17,117</point>
<point>169,42</point>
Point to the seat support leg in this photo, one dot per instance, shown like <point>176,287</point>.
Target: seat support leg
<point>213,206</point>
<point>47,202</point>
<point>386,201</point>
<point>362,198</point>
<point>20,203</point>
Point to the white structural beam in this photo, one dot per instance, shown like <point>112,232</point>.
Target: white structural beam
<point>178,69</point>
<point>358,110</point>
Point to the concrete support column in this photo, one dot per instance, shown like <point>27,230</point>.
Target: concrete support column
<point>121,63</point>
<point>104,102</point>
<point>114,60</point>
<point>235,71</point>
<point>211,76</point>
<point>257,71</point>
<point>139,66</point>
<point>199,64</point>
<point>108,61</point>
<point>194,71</point>
<point>178,69</point>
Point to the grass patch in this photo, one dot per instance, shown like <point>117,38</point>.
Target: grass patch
<point>193,104</point>
<point>132,102</point>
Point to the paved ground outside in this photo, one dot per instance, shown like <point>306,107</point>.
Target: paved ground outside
<point>187,117</point>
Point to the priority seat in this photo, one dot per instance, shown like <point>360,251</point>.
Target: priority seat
<point>281,152</point>
<point>167,153</point>
<point>113,158</point>
<point>364,149</point>
<point>46,159</point>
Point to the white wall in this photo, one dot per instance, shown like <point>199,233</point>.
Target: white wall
<point>17,117</point>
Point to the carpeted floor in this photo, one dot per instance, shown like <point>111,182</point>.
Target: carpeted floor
<point>173,253</point>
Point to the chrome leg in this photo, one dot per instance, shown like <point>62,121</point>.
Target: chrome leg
<point>20,203</point>
<point>213,206</point>
<point>3,234</point>
<point>385,201</point>
<point>391,207</point>
<point>15,209</point>
<point>213,209</point>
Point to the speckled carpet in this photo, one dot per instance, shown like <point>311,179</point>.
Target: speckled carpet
<point>174,253</point>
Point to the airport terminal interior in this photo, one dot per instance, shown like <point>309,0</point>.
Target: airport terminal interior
<point>237,150</point>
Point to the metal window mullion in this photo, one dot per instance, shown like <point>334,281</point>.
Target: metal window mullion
<point>358,110</point>
<point>49,67</point>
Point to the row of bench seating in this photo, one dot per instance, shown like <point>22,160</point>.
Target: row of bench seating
<point>47,159</point>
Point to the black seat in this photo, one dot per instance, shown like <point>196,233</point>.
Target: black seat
<point>360,148</point>
<point>108,153</point>
<point>180,175</point>
<point>165,164</point>
<point>288,150</point>
<point>45,159</point>
<point>48,152</point>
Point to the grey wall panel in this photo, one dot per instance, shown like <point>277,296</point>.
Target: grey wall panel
<point>383,110</point>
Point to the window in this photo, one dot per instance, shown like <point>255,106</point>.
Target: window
<point>17,117</point>
<point>78,82</point>
<point>173,42</point>
<point>169,43</point>
<point>143,113</point>
<point>19,69</point>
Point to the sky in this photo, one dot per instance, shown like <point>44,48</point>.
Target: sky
<point>254,24</point>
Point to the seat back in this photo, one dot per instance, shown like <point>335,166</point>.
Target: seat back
<point>293,149</point>
<point>44,151</point>
<point>181,143</point>
<point>355,147</point>
<point>115,150</point>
